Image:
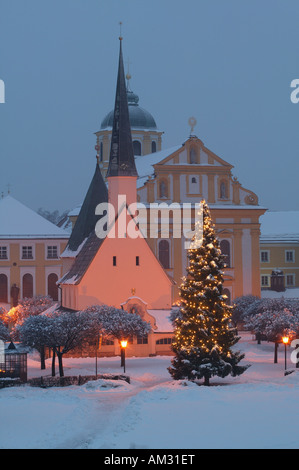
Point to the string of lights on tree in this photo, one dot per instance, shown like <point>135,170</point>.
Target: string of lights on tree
<point>203,332</point>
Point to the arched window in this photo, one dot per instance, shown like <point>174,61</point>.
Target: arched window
<point>27,286</point>
<point>223,190</point>
<point>154,147</point>
<point>52,286</point>
<point>193,156</point>
<point>137,147</point>
<point>227,293</point>
<point>101,151</point>
<point>3,288</point>
<point>225,250</point>
<point>193,179</point>
<point>164,254</point>
<point>163,189</point>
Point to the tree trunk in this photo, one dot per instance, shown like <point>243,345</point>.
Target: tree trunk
<point>297,357</point>
<point>258,337</point>
<point>207,380</point>
<point>275,352</point>
<point>53,362</point>
<point>60,365</point>
<point>42,358</point>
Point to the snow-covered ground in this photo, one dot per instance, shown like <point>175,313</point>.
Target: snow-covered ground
<point>259,409</point>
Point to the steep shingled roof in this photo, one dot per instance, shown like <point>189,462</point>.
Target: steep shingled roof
<point>83,260</point>
<point>87,219</point>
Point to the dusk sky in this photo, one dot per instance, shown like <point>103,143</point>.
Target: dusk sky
<point>228,63</point>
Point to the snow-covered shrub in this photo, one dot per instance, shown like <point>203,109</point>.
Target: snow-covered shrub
<point>118,323</point>
<point>245,306</point>
<point>29,307</point>
<point>4,333</point>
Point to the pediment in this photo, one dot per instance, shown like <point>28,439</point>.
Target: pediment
<point>139,307</point>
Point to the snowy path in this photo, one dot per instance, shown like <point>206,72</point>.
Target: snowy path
<point>112,410</point>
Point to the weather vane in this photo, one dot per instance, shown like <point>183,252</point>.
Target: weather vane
<point>192,123</point>
<point>120,35</point>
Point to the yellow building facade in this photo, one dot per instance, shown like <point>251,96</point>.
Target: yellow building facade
<point>30,248</point>
<point>279,248</point>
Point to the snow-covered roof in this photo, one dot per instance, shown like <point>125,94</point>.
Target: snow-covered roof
<point>19,222</point>
<point>287,294</point>
<point>163,322</point>
<point>236,206</point>
<point>51,309</point>
<point>145,163</point>
<point>75,211</point>
<point>280,225</point>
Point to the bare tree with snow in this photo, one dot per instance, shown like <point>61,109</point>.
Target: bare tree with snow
<point>4,333</point>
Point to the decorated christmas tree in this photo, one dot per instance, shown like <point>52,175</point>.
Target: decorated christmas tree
<point>204,336</point>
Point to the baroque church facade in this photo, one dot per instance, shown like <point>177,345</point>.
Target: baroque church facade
<point>187,174</point>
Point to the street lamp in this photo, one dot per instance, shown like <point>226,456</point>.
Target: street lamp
<point>285,340</point>
<point>123,344</point>
<point>98,345</point>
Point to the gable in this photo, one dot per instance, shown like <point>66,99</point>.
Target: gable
<point>179,156</point>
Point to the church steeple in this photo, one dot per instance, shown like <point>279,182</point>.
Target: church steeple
<point>121,162</point>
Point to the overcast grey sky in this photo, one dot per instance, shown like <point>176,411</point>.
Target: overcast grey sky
<point>229,63</point>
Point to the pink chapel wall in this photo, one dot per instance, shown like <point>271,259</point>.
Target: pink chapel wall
<point>106,283</point>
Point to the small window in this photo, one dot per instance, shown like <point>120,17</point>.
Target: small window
<point>27,286</point>
<point>52,252</point>
<point>163,189</point>
<point>107,342</point>
<point>164,255</point>
<point>290,280</point>
<point>3,288</point>
<point>265,281</point>
<point>114,261</point>
<point>52,286</point>
<point>225,250</point>
<point>154,147</point>
<point>101,151</point>
<point>223,190</point>
<point>137,261</point>
<point>137,148</point>
<point>290,256</point>
<point>193,156</point>
<point>164,341</point>
<point>265,256</point>
<point>3,252</point>
<point>142,339</point>
<point>27,252</point>
<point>227,300</point>
<point>193,180</point>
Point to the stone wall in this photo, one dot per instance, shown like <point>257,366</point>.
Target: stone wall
<point>66,381</point>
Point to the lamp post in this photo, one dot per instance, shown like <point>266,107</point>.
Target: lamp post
<point>285,340</point>
<point>123,344</point>
<point>98,346</point>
